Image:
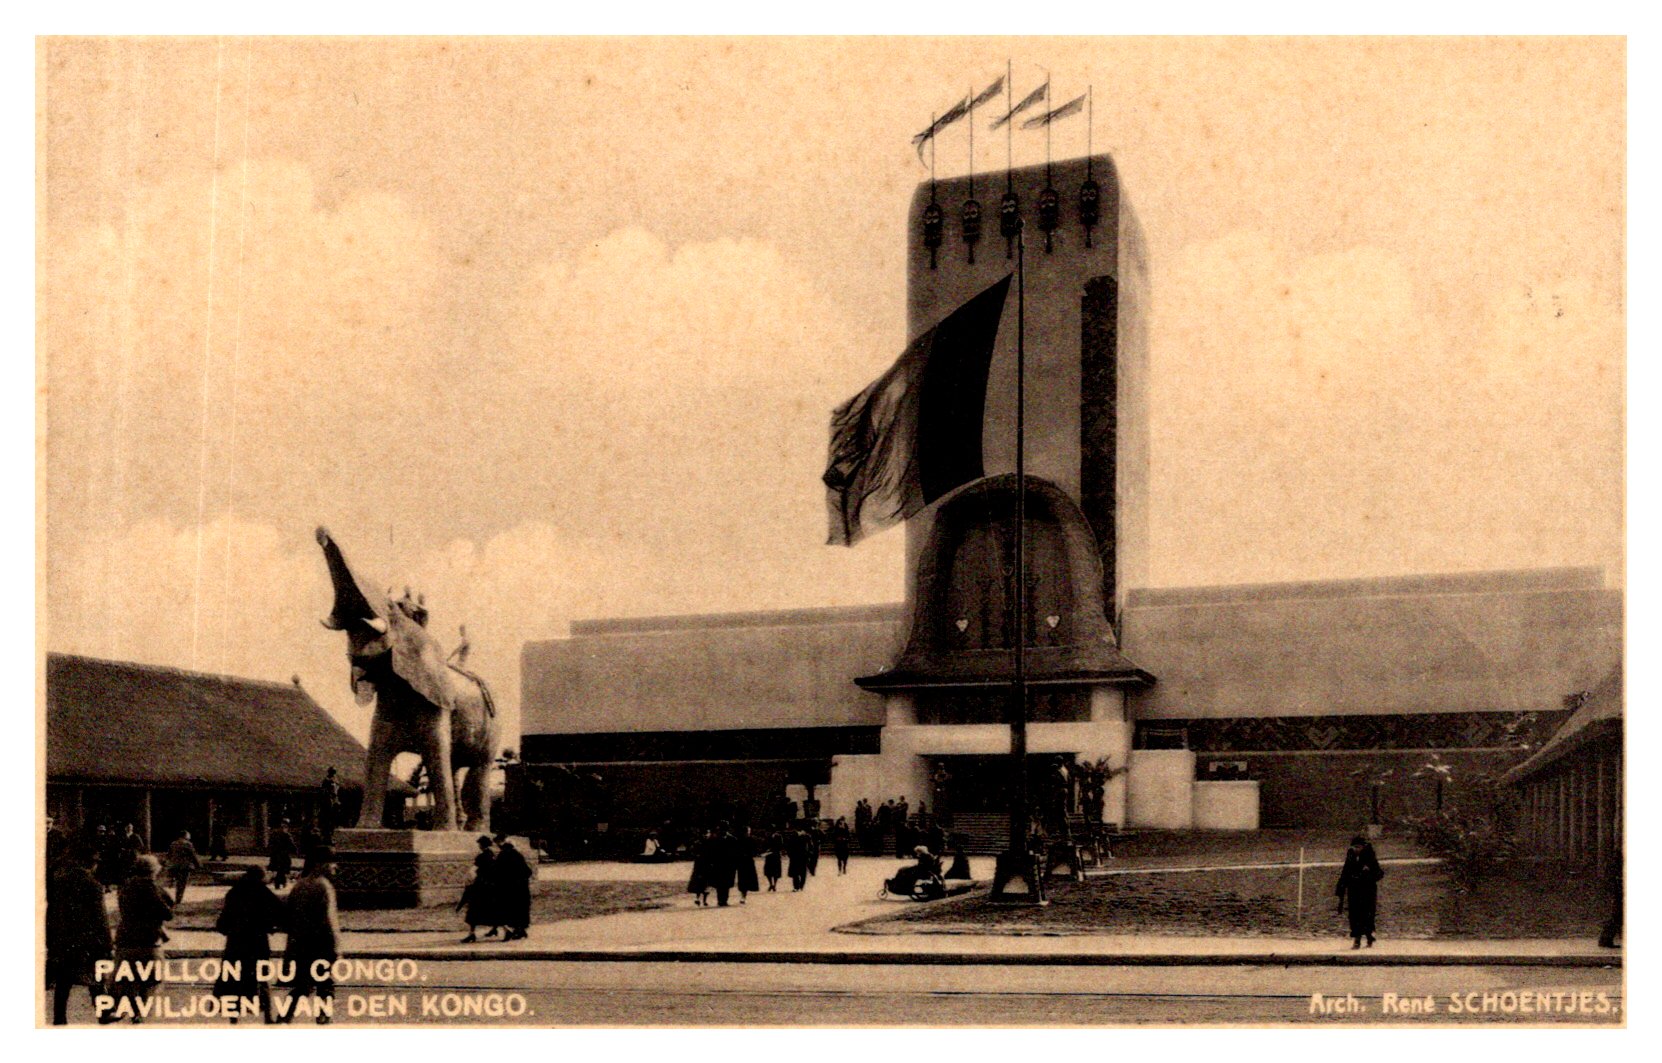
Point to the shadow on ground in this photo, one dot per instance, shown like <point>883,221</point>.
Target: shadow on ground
<point>1416,901</point>
<point>550,902</point>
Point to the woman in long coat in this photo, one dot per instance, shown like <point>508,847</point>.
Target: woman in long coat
<point>744,858</point>
<point>251,912</point>
<point>77,929</point>
<point>1359,885</point>
<point>480,897</point>
<point>698,884</point>
<point>773,868</point>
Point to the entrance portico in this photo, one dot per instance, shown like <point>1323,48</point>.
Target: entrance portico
<point>950,693</point>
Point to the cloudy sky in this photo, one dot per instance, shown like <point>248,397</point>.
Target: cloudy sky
<point>551,329</point>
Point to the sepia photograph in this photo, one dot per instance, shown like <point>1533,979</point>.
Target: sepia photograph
<point>799,532</point>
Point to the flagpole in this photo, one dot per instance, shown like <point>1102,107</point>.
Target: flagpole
<point>1015,865</point>
<point>1018,723</point>
<point>1009,127</point>
<point>1048,101</point>
<point>932,119</point>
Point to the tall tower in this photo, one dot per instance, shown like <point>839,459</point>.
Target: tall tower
<point>1086,351</point>
<point>947,705</point>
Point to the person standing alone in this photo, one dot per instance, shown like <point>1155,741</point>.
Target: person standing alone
<point>181,861</point>
<point>1359,886</point>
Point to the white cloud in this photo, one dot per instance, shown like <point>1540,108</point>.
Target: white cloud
<point>1311,419</point>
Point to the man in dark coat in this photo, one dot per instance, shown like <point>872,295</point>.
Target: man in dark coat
<point>313,919</point>
<point>216,844</point>
<point>724,863</point>
<point>796,848</point>
<point>282,850</point>
<point>132,847</point>
<point>181,861</point>
<point>513,883</point>
<point>328,805</point>
<point>112,858</point>
<point>250,913</point>
<point>1359,885</point>
<point>77,928</point>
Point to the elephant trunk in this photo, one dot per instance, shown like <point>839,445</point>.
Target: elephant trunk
<point>351,602</point>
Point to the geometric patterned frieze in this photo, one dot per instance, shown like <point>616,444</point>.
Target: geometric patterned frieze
<point>1438,730</point>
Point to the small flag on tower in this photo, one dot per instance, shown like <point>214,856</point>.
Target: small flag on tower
<point>914,433</point>
<point>963,107</point>
<point>1073,106</point>
<point>1038,94</point>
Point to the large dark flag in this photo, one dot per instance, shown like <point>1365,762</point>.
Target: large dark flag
<point>914,434</point>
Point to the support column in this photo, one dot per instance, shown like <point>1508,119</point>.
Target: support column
<point>1584,805</point>
<point>1560,813</point>
<point>1578,821</point>
<point>1536,833</point>
<point>144,824</point>
<point>1601,851</point>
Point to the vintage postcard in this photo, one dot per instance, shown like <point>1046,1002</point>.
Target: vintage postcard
<point>951,532</point>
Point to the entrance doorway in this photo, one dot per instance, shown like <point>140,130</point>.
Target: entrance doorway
<point>981,784</point>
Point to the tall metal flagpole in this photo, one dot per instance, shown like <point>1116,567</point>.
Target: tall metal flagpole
<point>1009,127</point>
<point>1018,722</point>
<point>1015,865</point>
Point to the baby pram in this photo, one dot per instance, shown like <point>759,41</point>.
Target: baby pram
<point>913,884</point>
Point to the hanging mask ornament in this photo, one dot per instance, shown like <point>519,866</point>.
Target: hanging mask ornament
<point>933,223</point>
<point>972,226</point>
<point>1050,209</point>
<point>1090,207</point>
<point>1009,221</point>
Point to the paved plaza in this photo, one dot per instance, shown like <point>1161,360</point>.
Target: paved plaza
<point>803,926</point>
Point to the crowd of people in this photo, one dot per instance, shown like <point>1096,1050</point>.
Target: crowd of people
<point>724,856</point>
<point>898,822</point>
<point>79,934</point>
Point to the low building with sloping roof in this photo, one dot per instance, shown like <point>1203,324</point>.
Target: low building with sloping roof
<point>1572,785</point>
<point>167,749</point>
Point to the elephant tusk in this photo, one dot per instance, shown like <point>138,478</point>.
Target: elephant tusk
<point>329,624</point>
<point>377,625</point>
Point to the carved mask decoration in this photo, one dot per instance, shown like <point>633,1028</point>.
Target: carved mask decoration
<point>971,220</point>
<point>933,223</point>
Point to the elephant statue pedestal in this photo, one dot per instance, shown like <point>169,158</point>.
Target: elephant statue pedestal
<point>404,868</point>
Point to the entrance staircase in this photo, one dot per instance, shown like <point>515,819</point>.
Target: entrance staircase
<point>985,833</point>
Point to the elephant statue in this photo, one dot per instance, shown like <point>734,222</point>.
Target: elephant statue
<point>424,703</point>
